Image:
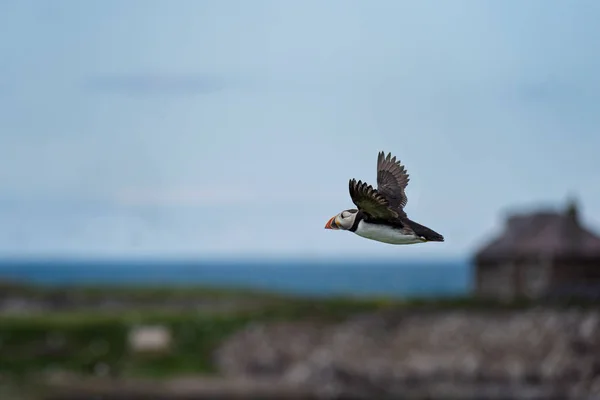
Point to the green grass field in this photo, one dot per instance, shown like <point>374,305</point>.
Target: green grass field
<point>82,340</point>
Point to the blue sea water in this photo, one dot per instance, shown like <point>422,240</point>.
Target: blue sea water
<point>320,278</point>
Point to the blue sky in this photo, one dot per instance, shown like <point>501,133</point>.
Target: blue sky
<point>220,128</point>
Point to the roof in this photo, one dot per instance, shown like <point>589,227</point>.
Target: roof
<point>543,234</point>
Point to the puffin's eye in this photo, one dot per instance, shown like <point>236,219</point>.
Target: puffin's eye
<point>344,214</point>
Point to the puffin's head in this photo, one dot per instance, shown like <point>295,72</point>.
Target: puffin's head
<point>343,220</point>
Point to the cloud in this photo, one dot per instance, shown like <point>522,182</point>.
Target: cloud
<point>184,196</point>
<point>139,84</point>
<point>217,196</point>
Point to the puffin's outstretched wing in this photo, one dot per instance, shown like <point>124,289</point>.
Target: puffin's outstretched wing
<point>392,179</point>
<point>370,201</point>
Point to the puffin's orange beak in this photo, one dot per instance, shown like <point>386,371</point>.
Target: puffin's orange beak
<point>331,224</point>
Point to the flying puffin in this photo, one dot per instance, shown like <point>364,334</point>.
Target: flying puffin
<point>380,215</point>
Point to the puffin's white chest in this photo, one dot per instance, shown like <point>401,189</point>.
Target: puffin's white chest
<point>383,233</point>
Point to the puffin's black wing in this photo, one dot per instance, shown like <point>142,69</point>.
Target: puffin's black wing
<point>370,201</point>
<point>392,179</point>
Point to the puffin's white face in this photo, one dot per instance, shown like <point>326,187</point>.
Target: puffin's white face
<point>343,220</point>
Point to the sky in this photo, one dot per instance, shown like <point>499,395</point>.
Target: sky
<point>231,128</point>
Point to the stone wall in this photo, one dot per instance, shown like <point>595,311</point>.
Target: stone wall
<point>535,278</point>
<point>496,280</point>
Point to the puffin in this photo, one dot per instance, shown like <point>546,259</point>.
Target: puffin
<point>380,212</point>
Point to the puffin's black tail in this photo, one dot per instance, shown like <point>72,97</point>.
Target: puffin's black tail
<point>423,231</point>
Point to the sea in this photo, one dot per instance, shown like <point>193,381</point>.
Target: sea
<point>299,277</point>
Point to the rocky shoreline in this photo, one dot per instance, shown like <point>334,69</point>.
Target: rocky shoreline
<point>531,354</point>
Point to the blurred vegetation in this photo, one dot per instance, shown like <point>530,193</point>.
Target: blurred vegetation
<point>96,342</point>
